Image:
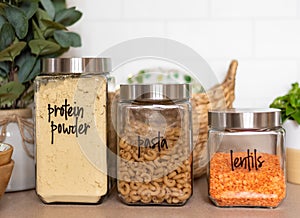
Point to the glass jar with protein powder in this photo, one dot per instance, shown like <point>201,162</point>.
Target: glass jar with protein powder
<point>71,130</point>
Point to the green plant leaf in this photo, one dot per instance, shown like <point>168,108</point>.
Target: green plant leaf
<point>29,8</point>
<point>25,63</point>
<point>139,79</point>
<point>296,116</point>
<point>59,5</point>
<point>12,87</point>
<point>37,32</point>
<point>4,66</point>
<point>35,71</point>
<point>2,21</point>
<point>289,110</point>
<point>280,102</point>
<point>4,69</point>
<point>294,89</point>
<point>289,104</point>
<point>147,76</point>
<point>7,36</point>
<point>141,72</point>
<point>187,78</point>
<point>29,35</point>
<point>3,4</point>
<point>3,80</point>
<point>43,47</point>
<point>17,19</point>
<point>28,96</point>
<point>49,8</point>
<point>7,99</point>
<point>57,54</point>
<point>298,101</point>
<point>54,25</point>
<point>67,39</point>
<point>42,15</point>
<point>293,100</point>
<point>51,26</point>
<point>10,92</point>
<point>68,16</point>
<point>10,53</point>
<point>176,75</point>
<point>29,67</point>
<point>2,73</point>
<point>129,80</point>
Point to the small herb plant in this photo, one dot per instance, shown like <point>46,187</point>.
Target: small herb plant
<point>289,104</point>
<point>31,30</point>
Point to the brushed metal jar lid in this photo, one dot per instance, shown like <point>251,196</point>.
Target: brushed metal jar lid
<point>75,65</point>
<point>244,118</point>
<point>155,92</point>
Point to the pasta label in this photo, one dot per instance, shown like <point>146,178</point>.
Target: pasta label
<point>158,142</point>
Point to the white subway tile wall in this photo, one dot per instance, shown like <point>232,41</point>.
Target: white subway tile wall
<point>214,38</point>
<point>254,8</point>
<point>165,9</point>
<point>263,35</point>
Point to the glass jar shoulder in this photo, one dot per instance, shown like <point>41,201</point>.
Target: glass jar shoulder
<point>226,131</point>
<point>155,105</point>
<point>58,76</point>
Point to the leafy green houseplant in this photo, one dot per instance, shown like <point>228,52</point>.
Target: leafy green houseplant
<point>290,113</point>
<point>289,104</point>
<point>29,31</point>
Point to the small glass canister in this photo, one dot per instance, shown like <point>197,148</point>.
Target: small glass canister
<point>71,130</point>
<point>247,158</point>
<point>154,144</point>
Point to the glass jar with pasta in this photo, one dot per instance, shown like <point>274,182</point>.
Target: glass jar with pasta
<point>154,144</point>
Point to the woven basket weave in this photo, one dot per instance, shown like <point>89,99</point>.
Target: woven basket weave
<point>218,97</point>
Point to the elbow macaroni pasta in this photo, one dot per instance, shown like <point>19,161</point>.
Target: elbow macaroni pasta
<point>155,177</point>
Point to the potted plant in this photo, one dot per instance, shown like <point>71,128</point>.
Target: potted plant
<point>289,105</point>
<point>30,30</point>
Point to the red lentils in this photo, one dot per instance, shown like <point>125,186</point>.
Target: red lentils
<point>260,187</point>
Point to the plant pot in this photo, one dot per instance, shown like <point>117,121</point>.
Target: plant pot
<point>5,155</point>
<point>5,172</point>
<point>293,151</point>
<point>23,175</point>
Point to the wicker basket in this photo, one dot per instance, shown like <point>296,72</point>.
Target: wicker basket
<point>220,96</point>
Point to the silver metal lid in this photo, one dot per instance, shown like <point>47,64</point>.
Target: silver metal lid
<point>155,92</point>
<point>76,65</point>
<point>244,118</point>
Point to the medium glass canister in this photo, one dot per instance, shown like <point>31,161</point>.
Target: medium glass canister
<point>154,144</point>
<point>71,130</point>
<point>247,158</point>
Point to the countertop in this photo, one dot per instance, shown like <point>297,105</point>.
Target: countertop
<point>26,204</point>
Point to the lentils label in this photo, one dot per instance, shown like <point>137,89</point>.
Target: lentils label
<point>251,161</point>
